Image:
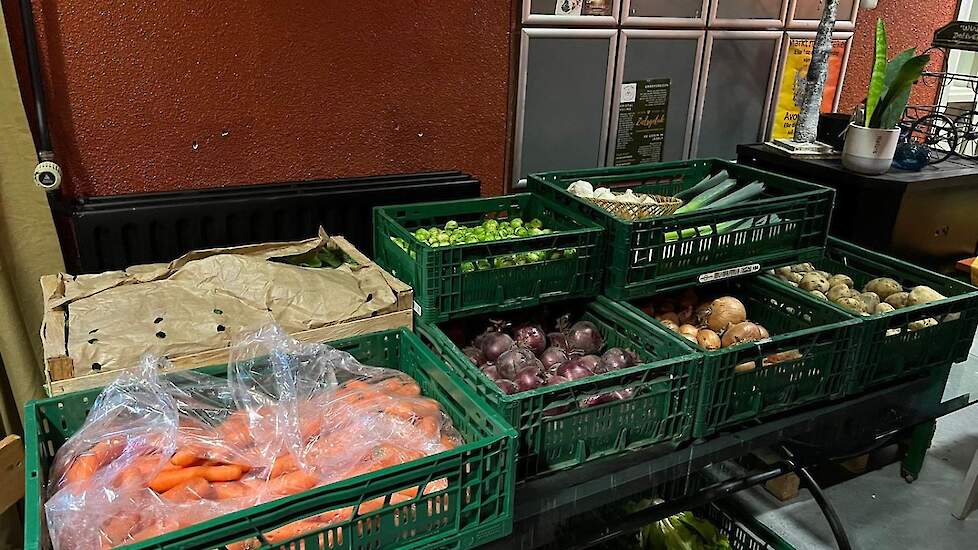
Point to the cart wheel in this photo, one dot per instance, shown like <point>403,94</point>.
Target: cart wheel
<point>965,123</point>
<point>907,476</point>
<point>938,132</point>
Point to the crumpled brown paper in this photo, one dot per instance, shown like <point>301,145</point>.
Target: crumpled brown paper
<point>200,301</point>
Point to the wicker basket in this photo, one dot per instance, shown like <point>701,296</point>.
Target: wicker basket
<point>662,206</point>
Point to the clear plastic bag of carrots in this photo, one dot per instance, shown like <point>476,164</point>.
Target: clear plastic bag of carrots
<point>159,453</point>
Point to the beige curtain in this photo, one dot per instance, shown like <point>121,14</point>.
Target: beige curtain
<point>28,249</point>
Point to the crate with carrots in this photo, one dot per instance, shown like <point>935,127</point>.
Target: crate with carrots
<point>370,443</point>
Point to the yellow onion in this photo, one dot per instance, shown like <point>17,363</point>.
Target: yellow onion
<point>740,333</point>
<point>726,312</point>
<point>707,339</point>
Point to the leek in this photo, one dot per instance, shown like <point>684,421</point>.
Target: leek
<point>707,197</point>
<point>709,182</point>
<point>722,228</point>
<point>738,196</point>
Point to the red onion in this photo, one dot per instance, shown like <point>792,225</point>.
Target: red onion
<point>554,380</point>
<point>531,337</point>
<point>553,356</point>
<point>513,361</point>
<point>508,387</point>
<point>475,355</point>
<point>495,344</point>
<point>591,362</point>
<point>528,379</point>
<point>573,370</point>
<point>491,371</point>
<point>617,359</point>
<point>557,340</point>
<point>584,336</point>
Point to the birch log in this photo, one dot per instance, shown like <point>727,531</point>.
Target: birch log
<point>806,129</point>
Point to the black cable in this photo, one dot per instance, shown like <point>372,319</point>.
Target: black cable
<point>37,82</point>
<point>835,523</point>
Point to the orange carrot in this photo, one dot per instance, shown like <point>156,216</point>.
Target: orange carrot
<point>283,465</point>
<point>165,481</point>
<point>222,490</point>
<point>429,427</point>
<point>188,456</point>
<point>291,483</point>
<point>195,488</point>
<point>220,473</point>
<point>83,468</point>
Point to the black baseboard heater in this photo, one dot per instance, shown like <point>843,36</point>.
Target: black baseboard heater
<point>105,233</point>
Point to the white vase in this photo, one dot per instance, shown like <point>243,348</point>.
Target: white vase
<point>869,150</point>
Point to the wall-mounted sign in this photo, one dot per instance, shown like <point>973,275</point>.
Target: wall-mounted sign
<point>642,121</point>
<point>957,35</point>
<point>793,84</point>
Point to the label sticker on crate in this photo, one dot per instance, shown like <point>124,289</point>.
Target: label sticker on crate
<point>417,309</point>
<point>728,273</point>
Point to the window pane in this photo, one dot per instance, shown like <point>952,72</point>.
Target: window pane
<point>692,9</point>
<point>571,7</point>
<point>812,9</point>
<point>749,9</point>
<point>564,111</point>
<point>675,59</point>
<point>736,92</point>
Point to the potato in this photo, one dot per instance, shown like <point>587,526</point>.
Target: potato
<point>897,300</point>
<point>792,283</point>
<point>825,274</point>
<point>818,294</point>
<point>883,287</point>
<point>871,300</point>
<point>921,324</point>
<point>745,367</point>
<point>803,268</point>
<point>839,292</point>
<point>853,304</point>
<point>794,277</point>
<point>783,271</point>
<point>814,281</point>
<point>841,279</point>
<point>882,308</point>
<point>893,332</point>
<point>923,295</point>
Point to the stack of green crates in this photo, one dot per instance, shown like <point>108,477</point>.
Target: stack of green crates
<point>475,507</point>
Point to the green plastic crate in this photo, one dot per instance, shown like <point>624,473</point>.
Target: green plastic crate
<point>903,354</point>
<point>476,507</point>
<point>827,340</point>
<point>642,262</point>
<point>661,409</point>
<point>743,531</point>
<point>442,290</point>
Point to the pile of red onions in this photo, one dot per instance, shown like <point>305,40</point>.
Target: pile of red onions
<point>525,357</point>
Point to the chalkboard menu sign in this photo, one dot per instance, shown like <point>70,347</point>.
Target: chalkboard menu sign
<point>642,121</point>
<point>957,35</point>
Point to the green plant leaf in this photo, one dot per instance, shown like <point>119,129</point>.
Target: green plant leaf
<point>894,103</point>
<point>878,78</point>
<point>895,64</point>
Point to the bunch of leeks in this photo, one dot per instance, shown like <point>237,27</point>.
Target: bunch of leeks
<point>715,192</point>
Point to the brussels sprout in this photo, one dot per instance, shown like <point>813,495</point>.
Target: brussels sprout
<point>570,252</point>
<point>491,225</point>
<point>534,231</point>
<point>516,222</point>
<point>521,232</point>
<point>482,264</point>
<point>556,254</point>
<point>468,267</point>
<point>434,231</point>
<point>444,238</point>
<point>536,257</point>
<point>469,239</point>
<point>421,234</point>
<point>546,231</point>
<point>535,222</point>
<point>451,225</point>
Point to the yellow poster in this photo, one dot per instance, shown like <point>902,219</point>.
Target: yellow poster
<point>793,80</point>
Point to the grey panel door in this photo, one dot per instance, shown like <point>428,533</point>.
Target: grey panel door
<point>565,100</point>
<point>738,76</point>
<point>812,9</point>
<point>657,55</point>
<point>749,9</point>
<point>687,9</point>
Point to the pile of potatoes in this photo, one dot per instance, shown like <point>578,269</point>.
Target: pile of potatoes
<point>879,296</point>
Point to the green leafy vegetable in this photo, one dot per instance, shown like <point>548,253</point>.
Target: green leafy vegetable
<point>746,193</point>
<point>709,182</point>
<point>878,79</point>
<point>707,197</point>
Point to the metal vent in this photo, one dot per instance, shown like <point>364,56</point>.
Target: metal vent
<point>106,233</point>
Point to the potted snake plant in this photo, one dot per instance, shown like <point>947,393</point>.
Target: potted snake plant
<point>874,133</point>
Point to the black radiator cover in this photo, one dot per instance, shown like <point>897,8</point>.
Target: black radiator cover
<point>105,233</point>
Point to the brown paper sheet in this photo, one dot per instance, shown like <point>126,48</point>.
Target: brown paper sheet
<point>200,301</point>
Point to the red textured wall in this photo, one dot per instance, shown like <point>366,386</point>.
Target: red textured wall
<point>909,23</point>
<point>274,91</point>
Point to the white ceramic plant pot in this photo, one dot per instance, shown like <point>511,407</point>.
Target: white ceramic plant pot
<point>869,150</point>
